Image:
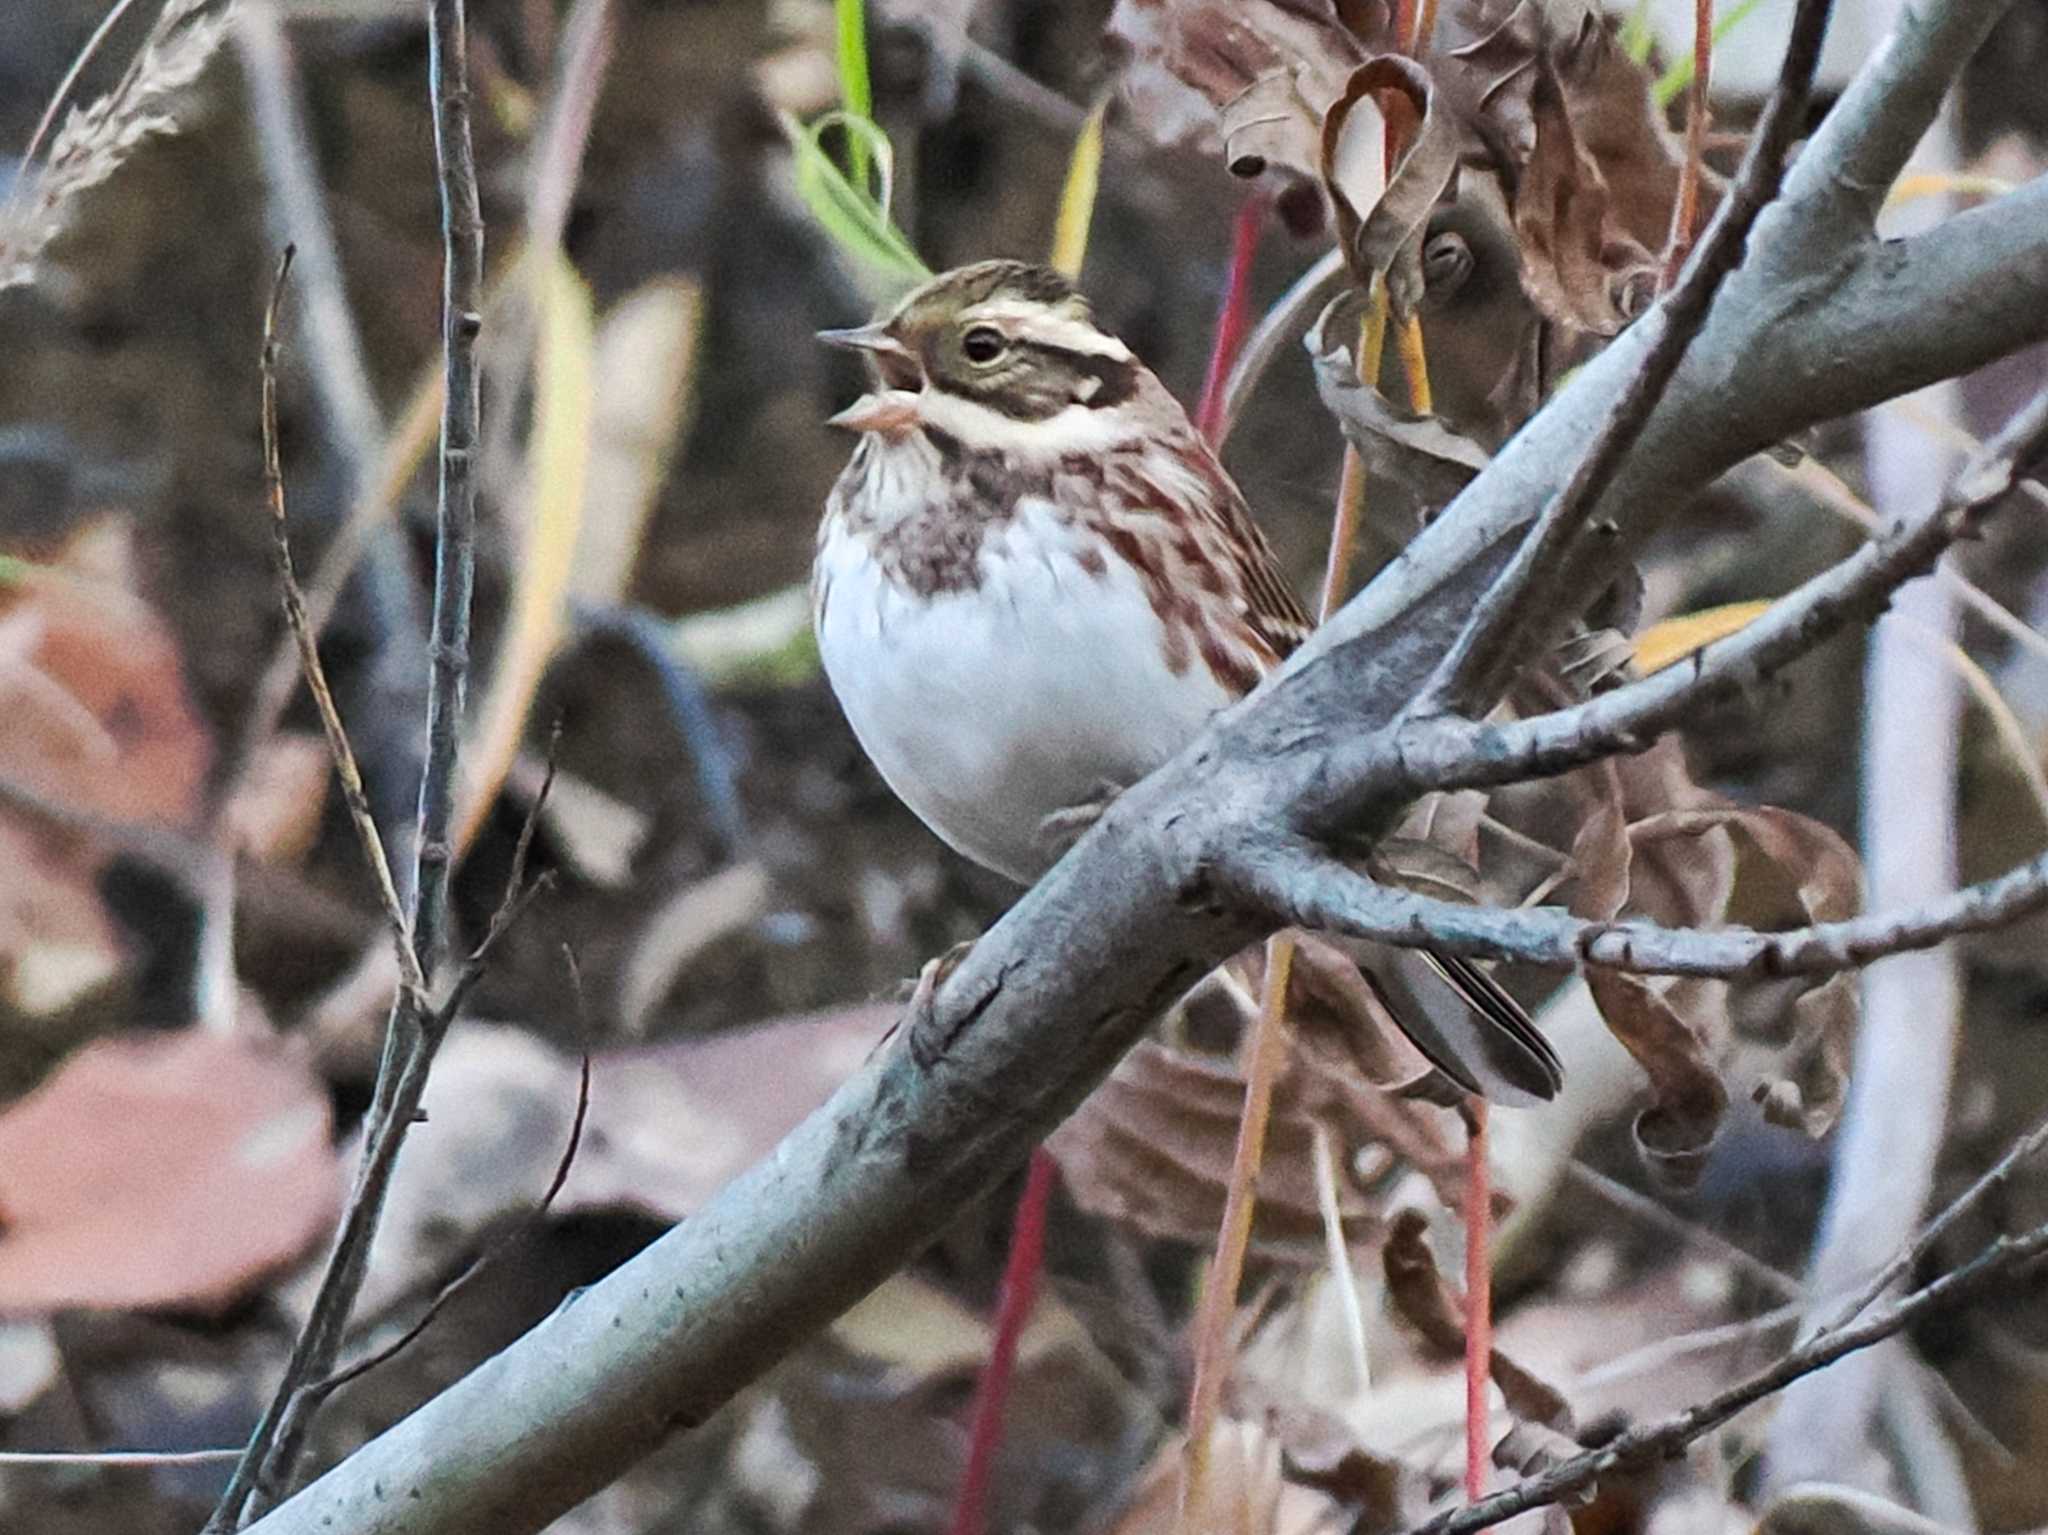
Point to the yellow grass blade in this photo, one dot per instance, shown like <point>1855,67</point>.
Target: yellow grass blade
<point>1077,197</point>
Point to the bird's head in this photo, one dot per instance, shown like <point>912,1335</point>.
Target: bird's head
<point>1004,336</point>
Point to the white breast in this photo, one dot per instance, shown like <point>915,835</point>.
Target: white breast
<point>989,709</point>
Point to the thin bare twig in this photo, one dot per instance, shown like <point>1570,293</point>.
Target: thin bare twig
<point>319,1391</point>
<point>1656,1441</point>
<point>1524,588</point>
<point>338,748</point>
<point>1909,1258</point>
<point>1297,883</point>
<point>150,1460</point>
<point>414,1033</point>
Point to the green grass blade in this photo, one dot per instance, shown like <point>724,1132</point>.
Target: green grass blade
<point>856,94</point>
<point>857,221</point>
<point>1636,38</point>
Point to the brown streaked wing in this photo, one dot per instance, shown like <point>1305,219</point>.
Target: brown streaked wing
<point>1271,605</point>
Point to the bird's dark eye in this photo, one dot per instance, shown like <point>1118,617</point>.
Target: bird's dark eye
<point>1446,263</point>
<point>983,344</point>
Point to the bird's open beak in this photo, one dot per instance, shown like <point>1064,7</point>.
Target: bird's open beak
<point>888,411</point>
<point>892,408</point>
<point>873,339</point>
<point>895,364</point>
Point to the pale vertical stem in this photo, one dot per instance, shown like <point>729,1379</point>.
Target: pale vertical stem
<point>1268,1054</point>
<point>1892,1129</point>
<point>1338,1250</point>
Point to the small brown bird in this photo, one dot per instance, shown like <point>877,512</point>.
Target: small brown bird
<point>1035,583</point>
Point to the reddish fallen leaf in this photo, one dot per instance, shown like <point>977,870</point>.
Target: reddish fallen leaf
<point>162,1170</point>
<point>98,722</point>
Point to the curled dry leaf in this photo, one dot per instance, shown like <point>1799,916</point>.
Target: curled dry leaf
<point>1667,1029</point>
<point>1609,95</point>
<point>1420,459</point>
<point>1659,845</point>
<point>1382,236</point>
<point>1427,1302</point>
<point>1252,80</point>
<point>1578,265</point>
<point>1828,1509</point>
<point>1592,168</point>
<point>162,1169</point>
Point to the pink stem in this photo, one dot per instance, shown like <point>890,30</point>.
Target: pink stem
<point>1478,1300</point>
<point>1013,1310</point>
<point>1234,319</point>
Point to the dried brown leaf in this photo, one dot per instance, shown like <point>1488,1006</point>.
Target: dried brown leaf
<point>1319,1450</point>
<point>162,1169</point>
<point>1449,821</point>
<point>1383,237</point>
<point>1427,1302</point>
<point>99,723</point>
<point>1252,80</point>
<point>1689,1099</point>
<point>1578,264</point>
<point>1420,459</point>
<point>1151,1149</point>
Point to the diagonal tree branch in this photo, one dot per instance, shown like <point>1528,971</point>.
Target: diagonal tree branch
<point>1998,1264</point>
<point>1449,754</point>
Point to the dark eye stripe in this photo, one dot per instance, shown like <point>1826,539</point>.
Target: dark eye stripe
<point>1116,381</point>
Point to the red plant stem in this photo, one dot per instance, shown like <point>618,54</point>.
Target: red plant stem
<point>1235,317</point>
<point>1478,1299</point>
<point>1013,1310</point>
<point>1685,211</point>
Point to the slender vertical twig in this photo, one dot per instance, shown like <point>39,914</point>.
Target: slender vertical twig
<point>1685,208</point>
<point>415,1032</point>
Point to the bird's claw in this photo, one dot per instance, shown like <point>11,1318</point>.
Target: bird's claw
<point>923,1027</point>
<point>1063,828</point>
